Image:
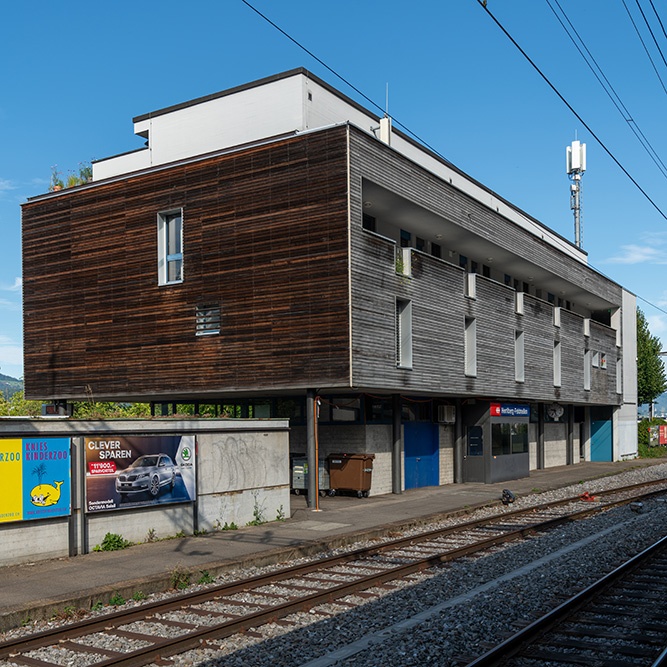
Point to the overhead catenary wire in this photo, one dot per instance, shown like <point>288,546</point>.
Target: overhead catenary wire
<point>648,25</point>
<point>427,145</point>
<point>641,39</point>
<point>571,108</point>
<point>608,87</point>
<point>345,81</point>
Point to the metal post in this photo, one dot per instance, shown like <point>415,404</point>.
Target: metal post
<point>310,447</point>
<point>396,453</point>
<point>570,436</point>
<point>540,438</point>
<point>458,445</point>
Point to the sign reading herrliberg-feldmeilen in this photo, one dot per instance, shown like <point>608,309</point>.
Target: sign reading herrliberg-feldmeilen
<point>509,410</point>
<point>138,471</point>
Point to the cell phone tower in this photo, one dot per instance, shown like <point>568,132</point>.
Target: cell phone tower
<point>576,166</point>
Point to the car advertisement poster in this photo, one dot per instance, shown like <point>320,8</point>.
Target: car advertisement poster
<point>35,478</point>
<point>123,472</point>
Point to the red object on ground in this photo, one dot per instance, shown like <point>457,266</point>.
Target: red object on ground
<point>587,496</point>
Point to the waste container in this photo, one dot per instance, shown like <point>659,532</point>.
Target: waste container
<point>351,472</point>
<point>300,475</point>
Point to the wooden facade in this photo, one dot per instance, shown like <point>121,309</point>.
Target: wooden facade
<point>264,236</point>
<point>273,234</point>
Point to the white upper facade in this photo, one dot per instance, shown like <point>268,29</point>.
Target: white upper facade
<point>288,103</point>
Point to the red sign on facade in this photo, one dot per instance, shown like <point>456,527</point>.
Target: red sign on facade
<point>663,434</point>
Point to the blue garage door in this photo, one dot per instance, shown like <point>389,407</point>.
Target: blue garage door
<point>422,460</point>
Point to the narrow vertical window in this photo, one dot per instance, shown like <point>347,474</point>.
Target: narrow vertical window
<point>519,364</point>
<point>170,247</point>
<point>587,370</point>
<point>619,375</point>
<point>403,333</point>
<point>557,378</point>
<point>470,346</point>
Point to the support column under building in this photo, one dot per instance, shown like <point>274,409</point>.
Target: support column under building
<point>540,438</point>
<point>458,445</point>
<point>396,449</point>
<point>313,466</point>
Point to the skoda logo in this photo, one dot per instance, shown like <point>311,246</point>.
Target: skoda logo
<point>186,454</point>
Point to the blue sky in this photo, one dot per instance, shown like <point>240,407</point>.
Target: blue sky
<point>72,80</point>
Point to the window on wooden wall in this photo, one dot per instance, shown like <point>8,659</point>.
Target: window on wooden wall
<point>207,319</point>
<point>557,364</point>
<point>519,359</point>
<point>170,247</point>
<point>587,370</point>
<point>470,343</point>
<point>619,375</point>
<point>403,333</point>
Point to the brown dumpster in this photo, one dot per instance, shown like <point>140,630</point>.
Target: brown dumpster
<point>351,472</point>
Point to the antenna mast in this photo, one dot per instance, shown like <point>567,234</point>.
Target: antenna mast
<point>576,166</point>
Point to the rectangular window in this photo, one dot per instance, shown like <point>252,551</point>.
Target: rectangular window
<point>587,370</point>
<point>406,239</point>
<point>170,247</point>
<point>471,285</point>
<point>473,267</point>
<point>518,303</point>
<point>603,361</point>
<point>403,333</point>
<point>508,279</point>
<point>551,298</point>
<point>619,375</point>
<point>207,319</point>
<point>369,222</point>
<point>557,360</point>
<point>519,363</point>
<point>470,347</point>
<point>486,271</point>
<point>596,360</point>
<point>463,261</point>
<point>420,243</point>
<point>509,439</point>
<point>436,250</point>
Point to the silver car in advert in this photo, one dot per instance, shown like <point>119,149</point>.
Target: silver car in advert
<point>148,473</point>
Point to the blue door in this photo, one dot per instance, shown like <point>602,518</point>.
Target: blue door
<point>422,457</point>
<point>601,435</point>
<point>601,444</point>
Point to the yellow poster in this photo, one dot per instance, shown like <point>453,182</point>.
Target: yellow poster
<point>11,480</point>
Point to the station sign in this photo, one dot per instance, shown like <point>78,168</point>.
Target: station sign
<point>34,478</point>
<point>509,410</point>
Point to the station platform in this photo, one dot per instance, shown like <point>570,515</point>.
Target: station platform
<point>40,590</point>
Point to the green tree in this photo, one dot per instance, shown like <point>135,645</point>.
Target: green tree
<point>651,380</point>
<point>17,406</point>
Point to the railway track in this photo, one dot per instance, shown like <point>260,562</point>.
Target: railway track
<point>619,621</point>
<point>143,634</point>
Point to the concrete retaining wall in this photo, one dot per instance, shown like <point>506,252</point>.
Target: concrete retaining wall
<point>243,474</point>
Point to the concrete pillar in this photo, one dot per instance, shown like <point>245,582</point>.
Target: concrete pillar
<point>396,450</point>
<point>313,465</point>
<point>459,445</point>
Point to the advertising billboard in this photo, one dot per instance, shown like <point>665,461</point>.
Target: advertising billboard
<point>140,471</point>
<point>34,478</point>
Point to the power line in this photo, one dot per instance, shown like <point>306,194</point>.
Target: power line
<point>648,25</point>
<point>283,32</point>
<point>344,80</point>
<point>569,106</point>
<point>655,69</point>
<point>607,87</point>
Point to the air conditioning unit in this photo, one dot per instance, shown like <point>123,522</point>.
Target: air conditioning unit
<point>446,414</point>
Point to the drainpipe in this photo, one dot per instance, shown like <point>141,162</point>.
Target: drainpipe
<point>540,438</point>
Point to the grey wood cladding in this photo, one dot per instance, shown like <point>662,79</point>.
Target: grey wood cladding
<point>437,292</point>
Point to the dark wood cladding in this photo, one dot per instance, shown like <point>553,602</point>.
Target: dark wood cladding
<point>265,235</point>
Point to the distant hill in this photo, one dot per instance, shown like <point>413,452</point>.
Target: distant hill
<point>9,385</point>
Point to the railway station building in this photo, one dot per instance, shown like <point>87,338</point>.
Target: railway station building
<point>278,248</point>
